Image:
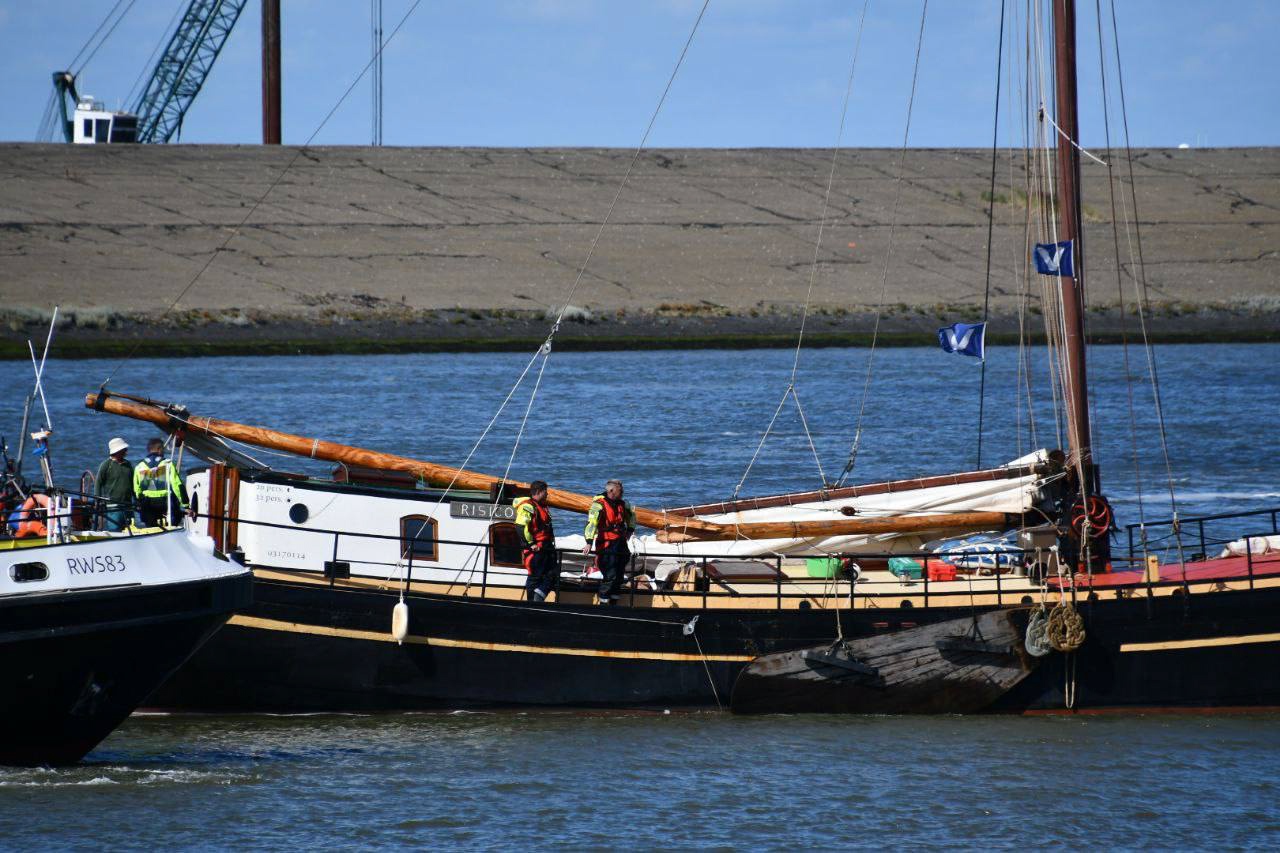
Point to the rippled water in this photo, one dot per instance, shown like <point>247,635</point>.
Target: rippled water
<point>682,427</point>
<point>700,780</point>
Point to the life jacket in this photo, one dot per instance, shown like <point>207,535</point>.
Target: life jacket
<point>612,523</point>
<point>33,512</point>
<point>539,528</point>
<point>152,476</point>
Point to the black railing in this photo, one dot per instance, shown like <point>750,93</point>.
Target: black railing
<point>995,584</point>
<point>1195,533</point>
<point>970,580</point>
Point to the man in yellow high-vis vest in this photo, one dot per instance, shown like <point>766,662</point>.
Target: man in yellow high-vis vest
<point>159,493</point>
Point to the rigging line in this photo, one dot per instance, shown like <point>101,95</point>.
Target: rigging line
<point>91,38</point>
<point>165,35</point>
<point>805,423</point>
<point>515,445</point>
<point>1143,300</point>
<point>545,349</point>
<point>817,247</point>
<point>893,226</point>
<point>760,446</point>
<point>630,167</point>
<point>103,40</point>
<point>1074,144</point>
<point>826,198</point>
<point>991,224</point>
<point>235,231</point>
<point>493,420</point>
<point>1115,234</point>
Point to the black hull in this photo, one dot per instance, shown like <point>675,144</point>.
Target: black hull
<point>74,665</point>
<point>305,647</point>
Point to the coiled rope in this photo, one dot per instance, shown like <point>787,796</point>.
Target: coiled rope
<point>1064,629</point>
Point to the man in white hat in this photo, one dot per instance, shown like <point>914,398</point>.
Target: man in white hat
<point>114,485</point>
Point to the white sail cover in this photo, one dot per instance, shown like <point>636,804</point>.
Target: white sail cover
<point>1013,495</point>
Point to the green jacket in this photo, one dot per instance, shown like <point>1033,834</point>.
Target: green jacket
<point>114,482</point>
<point>155,477</point>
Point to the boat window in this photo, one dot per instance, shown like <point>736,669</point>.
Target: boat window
<point>23,572</point>
<point>298,513</point>
<point>507,545</point>
<point>418,538</point>
<point>101,130</point>
<point>88,128</point>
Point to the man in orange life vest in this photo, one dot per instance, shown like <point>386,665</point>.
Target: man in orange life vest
<point>610,524</point>
<point>539,556</point>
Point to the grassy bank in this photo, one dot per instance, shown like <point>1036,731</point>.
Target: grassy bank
<point>162,347</point>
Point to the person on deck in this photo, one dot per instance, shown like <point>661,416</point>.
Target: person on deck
<point>156,487</point>
<point>114,486</point>
<point>610,524</point>
<point>539,555</point>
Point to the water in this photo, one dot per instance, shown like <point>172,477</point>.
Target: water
<point>681,427</point>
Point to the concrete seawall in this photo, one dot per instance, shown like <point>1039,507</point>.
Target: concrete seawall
<point>408,248</point>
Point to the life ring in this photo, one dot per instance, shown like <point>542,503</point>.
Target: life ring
<point>33,513</point>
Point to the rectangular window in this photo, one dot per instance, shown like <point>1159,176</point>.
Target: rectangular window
<point>88,128</point>
<point>101,130</point>
<point>418,538</point>
<point>507,546</point>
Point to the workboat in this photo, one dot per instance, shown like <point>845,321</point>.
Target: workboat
<point>91,622</point>
<point>397,583</point>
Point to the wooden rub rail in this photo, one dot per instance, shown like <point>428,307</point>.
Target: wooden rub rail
<point>678,528</point>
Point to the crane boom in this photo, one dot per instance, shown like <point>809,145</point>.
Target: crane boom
<point>183,67</point>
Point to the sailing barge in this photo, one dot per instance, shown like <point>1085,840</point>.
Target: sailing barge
<point>332,558</point>
<point>720,607</point>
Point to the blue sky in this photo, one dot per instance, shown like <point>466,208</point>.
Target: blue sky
<point>588,72</point>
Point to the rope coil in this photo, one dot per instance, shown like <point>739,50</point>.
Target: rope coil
<point>1064,629</point>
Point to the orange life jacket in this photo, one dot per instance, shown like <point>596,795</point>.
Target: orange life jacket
<point>539,529</point>
<point>539,522</point>
<point>613,523</point>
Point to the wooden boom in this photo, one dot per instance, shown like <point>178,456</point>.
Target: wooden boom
<point>841,527</point>
<point>675,527</point>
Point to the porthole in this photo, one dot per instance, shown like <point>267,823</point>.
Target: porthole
<point>1026,599</point>
<point>298,513</point>
<point>25,572</point>
<point>906,604</point>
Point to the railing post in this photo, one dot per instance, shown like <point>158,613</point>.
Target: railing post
<point>484,577</point>
<point>1248,559</point>
<point>1204,550</point>
<point>706,583</point>
<point>999,592</point>
<point>924,572</point>
<point>777,565</point>
<point>333,573</point>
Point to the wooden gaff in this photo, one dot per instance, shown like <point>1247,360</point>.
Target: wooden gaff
<point>677,528</point>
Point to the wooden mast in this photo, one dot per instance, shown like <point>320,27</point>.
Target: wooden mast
<point>678,528</point>
<point>1075,385</point>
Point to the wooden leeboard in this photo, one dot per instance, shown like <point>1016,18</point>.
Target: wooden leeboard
<point>957,666</point>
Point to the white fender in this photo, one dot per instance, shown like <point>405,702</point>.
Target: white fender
<point>400,622</point>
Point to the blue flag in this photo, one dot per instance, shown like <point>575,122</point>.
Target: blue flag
<point>1054,259</point>
<point>964,339</point>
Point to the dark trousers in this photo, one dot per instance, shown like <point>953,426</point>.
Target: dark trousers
<point>544,571</point>
<point>156,510</point>
<point>612,562</point>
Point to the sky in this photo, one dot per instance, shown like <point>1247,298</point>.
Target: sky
<point>760,73</point>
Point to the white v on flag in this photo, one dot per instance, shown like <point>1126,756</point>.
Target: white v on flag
<point>964,339</point>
